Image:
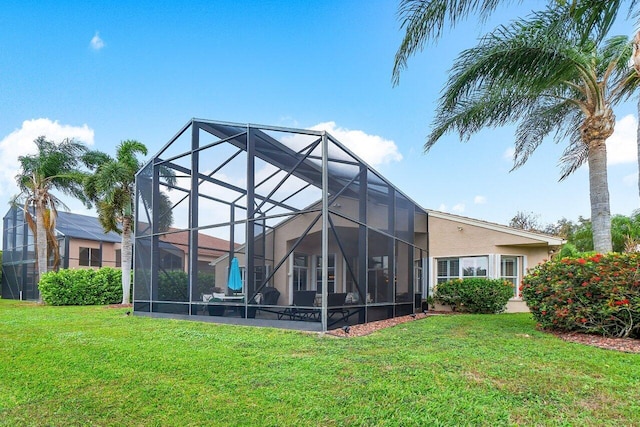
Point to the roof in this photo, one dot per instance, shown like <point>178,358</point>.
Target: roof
<point>84,227</point>
<point>300,157</point>
<point>207,245</point>
<point>546,238</point>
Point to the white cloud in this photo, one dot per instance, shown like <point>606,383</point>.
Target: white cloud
<point>479,200</point>
<point>458,208</point>
<point>621,146</point>
<point>373,149</point>
<point>20,143</point>
<point>509,153</point>
<point>442,207</point>
<point>96,42</point>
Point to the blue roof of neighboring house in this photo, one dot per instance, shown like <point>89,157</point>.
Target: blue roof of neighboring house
<point>84,227</point>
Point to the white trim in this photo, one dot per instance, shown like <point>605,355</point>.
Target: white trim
<point>492,267</point>
<point>432,272</point>
<point>290,274</point>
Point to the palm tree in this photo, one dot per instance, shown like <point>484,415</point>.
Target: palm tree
<point>111,187</point>
<point>425,20</point>
<point>53,167</point>
<point>540,73</point>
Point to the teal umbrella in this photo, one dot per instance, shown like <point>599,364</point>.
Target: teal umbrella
<point>235,281</point>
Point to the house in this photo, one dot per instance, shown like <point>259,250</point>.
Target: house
<point>82,244</point>
<point>466,247</point>
<point>321,239</point>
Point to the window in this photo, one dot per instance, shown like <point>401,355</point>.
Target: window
<point>509,271</point>
<point>261,272</point>
<point>448,269</point>
<point>331,281</point>
<point>454,268</point>
<point>474,266</point>
<point>300,272</point>
<point>118,257</point>
<point>90,257</point>
<point>378,278</point>
<point>417,275</point>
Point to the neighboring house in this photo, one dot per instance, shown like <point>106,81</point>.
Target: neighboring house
<point>210,249</point>
<point>338,242</point>
<point>83,244</point>
<point>81,239</point>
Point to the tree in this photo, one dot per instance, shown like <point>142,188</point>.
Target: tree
<point>539,73</point>
<point>425,20</point>
<point>55,166</point>
<point>111,188</point>
<point>526,221</point>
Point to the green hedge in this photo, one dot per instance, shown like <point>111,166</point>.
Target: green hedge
<point>173,285</point>
<point>475,295</point>
<point>592,294</point>
<point>82,287</point>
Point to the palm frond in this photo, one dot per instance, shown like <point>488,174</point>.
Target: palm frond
<point>574,156</point>
<point>546,119</point>
<point>425,20</point>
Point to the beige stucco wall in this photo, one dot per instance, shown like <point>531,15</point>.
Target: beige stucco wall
<point>288,233</point>
<point>451,238</point>
<point>108,252</point>
<point>446,238</point>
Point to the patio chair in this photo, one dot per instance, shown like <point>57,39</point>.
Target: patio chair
<point>300,309</point>
<point>270,296</point>
<point>267,296</point>
<point>335,306</point>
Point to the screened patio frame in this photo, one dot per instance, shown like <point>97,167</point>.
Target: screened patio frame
<point>284,176</point>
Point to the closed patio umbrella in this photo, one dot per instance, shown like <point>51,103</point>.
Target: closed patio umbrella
<point>235,281</point>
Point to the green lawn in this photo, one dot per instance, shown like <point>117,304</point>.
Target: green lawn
<point>97,366</point>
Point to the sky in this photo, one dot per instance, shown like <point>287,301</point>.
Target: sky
<point>103,72</point>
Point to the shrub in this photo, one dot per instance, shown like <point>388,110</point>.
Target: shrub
<point>592,294</point>
<point>82,287</point>
<point>173,285</point>
<point>475,295</point>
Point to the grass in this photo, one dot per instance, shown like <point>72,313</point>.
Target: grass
<point>97,366</point>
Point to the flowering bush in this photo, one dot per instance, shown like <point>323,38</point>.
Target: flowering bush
<point>475,295</point>
<point>592,294</point>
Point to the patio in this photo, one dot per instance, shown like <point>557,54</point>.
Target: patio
<point>301,214</point>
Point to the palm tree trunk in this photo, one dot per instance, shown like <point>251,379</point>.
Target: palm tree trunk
<point>127,254</point>
<point>41,243</point>
<point>599,193</point>
<point>636,66</point>
<point>638,143</point>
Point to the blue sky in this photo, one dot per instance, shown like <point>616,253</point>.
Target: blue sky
<point>103,72</point>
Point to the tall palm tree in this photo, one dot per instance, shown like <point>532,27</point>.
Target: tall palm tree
<point>111,187</point>
<point>425,20</point>
<point>53,167</point>
<point>539,72</point>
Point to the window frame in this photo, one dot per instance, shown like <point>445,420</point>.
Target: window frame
<point>296,271</point>
<point>331,280</point>
<point>515,279</point>
<point>451,275</point>
<point>93,259</point>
